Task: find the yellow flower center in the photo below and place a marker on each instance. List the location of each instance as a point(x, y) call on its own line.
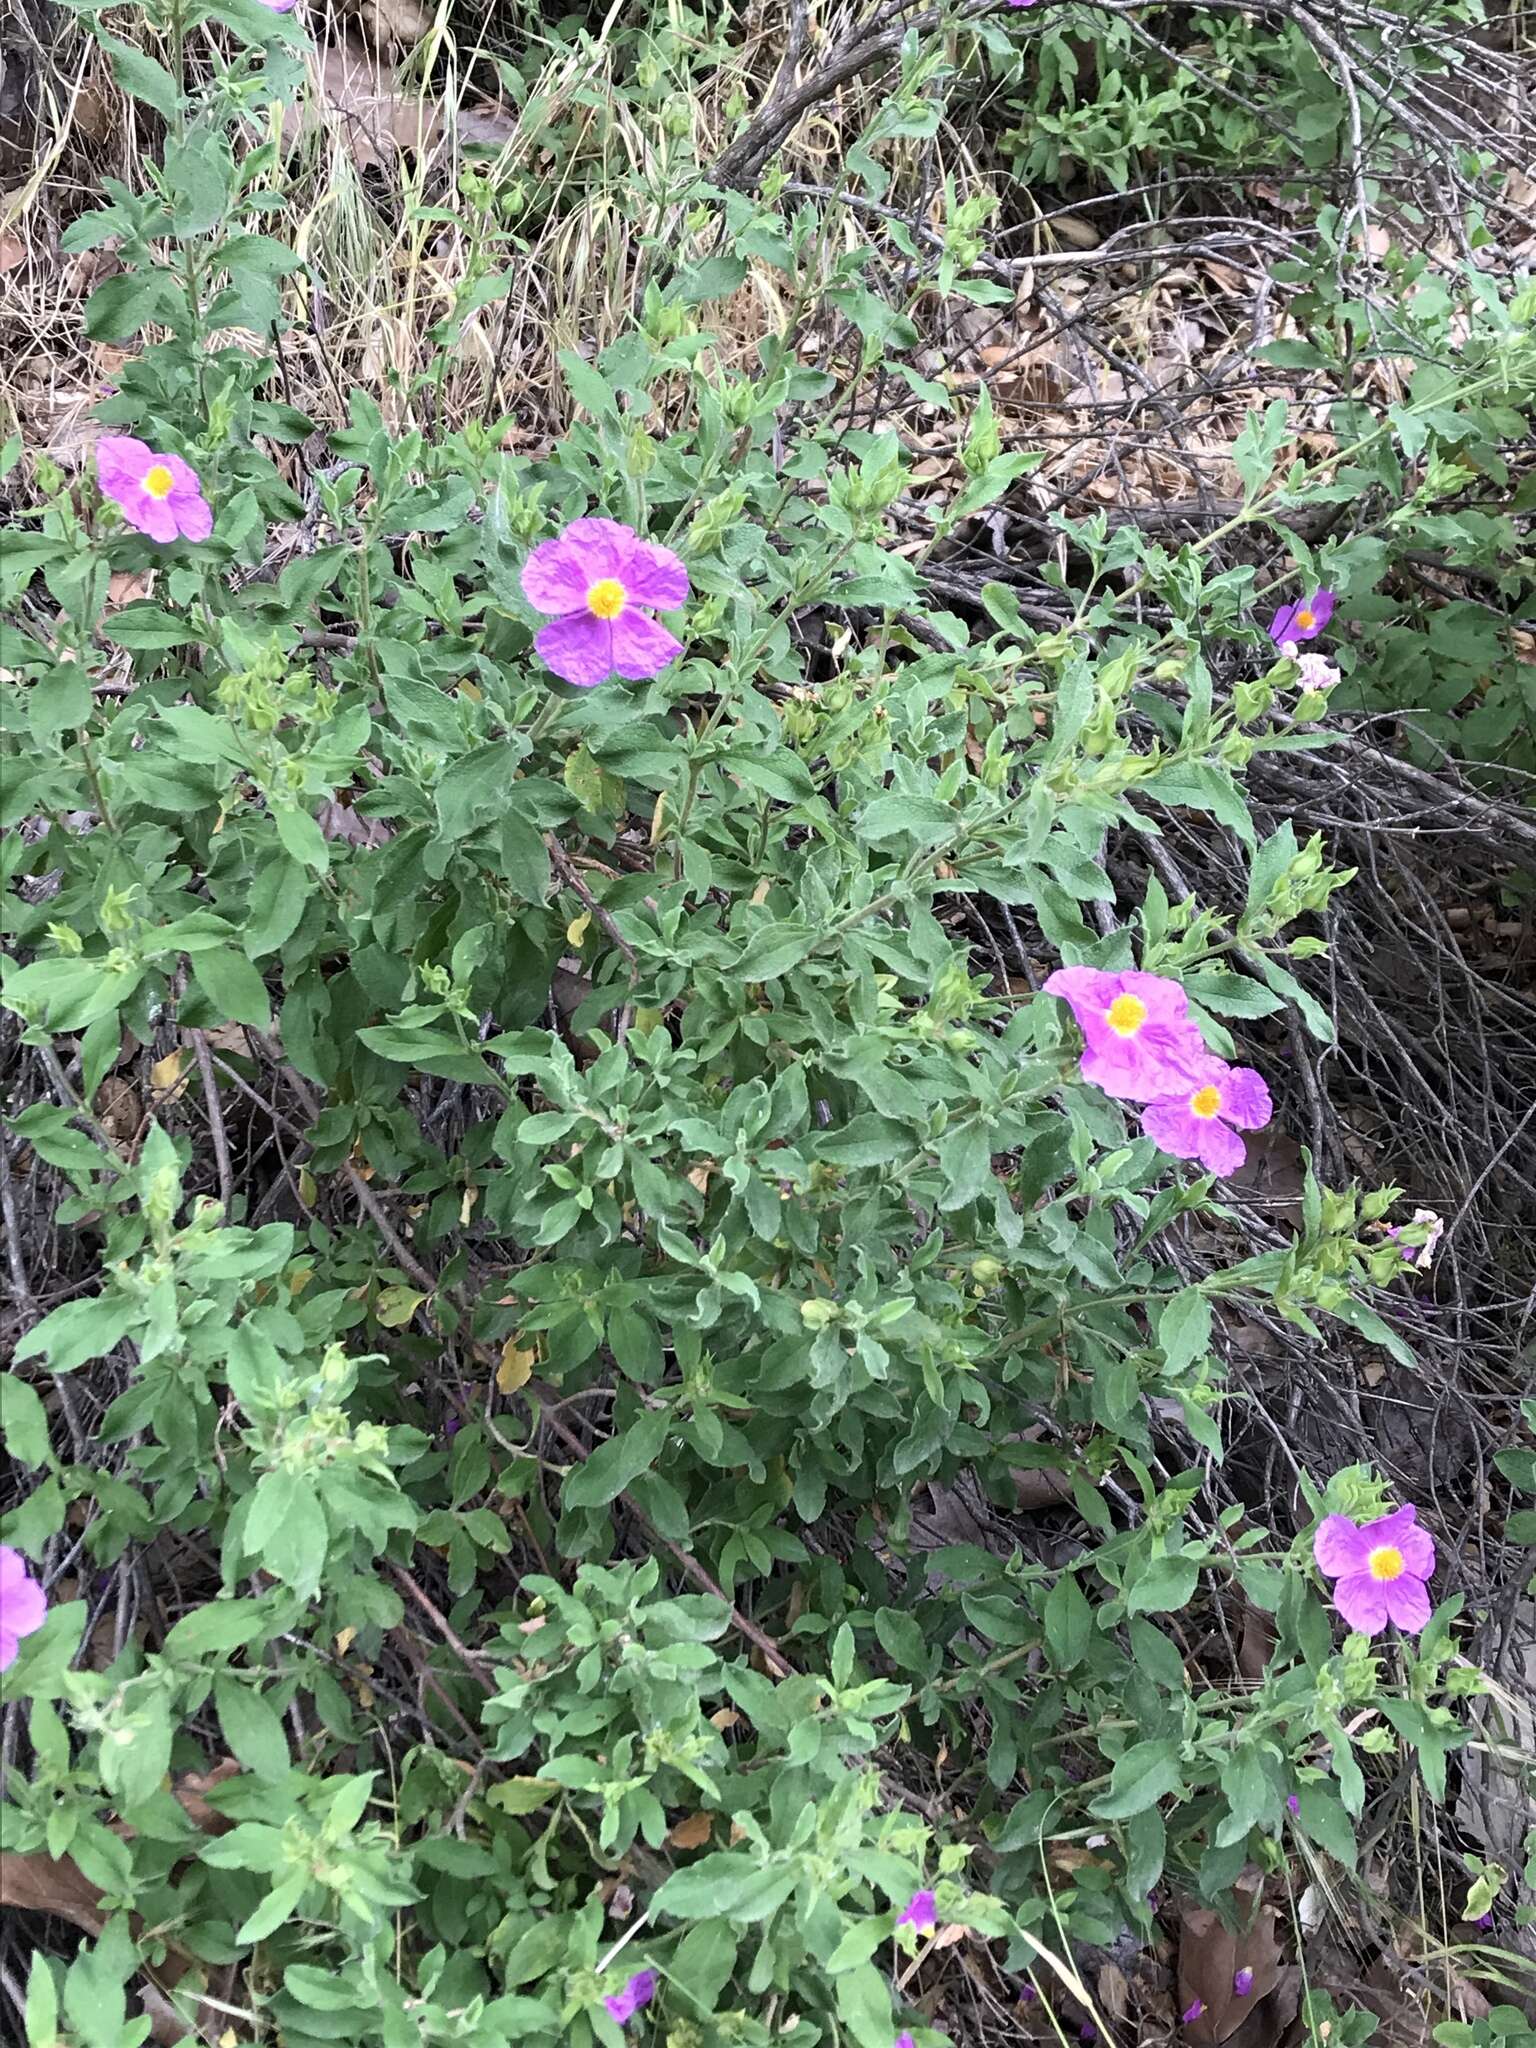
point(158, 481)
point(1385, 1563)
point(605, 600)
point(1306, 620)
point(1205, 1102)
point(1126, 1015)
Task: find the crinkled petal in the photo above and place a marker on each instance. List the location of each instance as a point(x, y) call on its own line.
point(1321, 609)
point(1408, 1603)
point(1401, 1529)
point(1147, 1068)
point(1221, 1149)
point(154, 516)
point(1339, 1547)
point(1174, 1126)
point(8, 1648)
point(640, 647)
point(13, 1568)
point(579, 648)
point(653, 575)
point(558, 574)
point(1083, 989)
point(1166, 1003)
point(189, 508)
point(1245, 1099)
point(1283, 628)
point(1362, 1601)
point(26, 1607)
point(121, 461)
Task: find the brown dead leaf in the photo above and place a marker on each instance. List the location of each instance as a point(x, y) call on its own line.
point(1210, 1957)
point(13, 252)
point(1258, 1640)
point(127, 586)
point(692, 1832)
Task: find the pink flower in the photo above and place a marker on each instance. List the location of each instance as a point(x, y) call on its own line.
point(1242, 1983)
point(278, 6)
point(23, 1604)
point(1140, 1041)
point(905, 2040)
point(1317, 672)
point(1303, 620)
point(638, 1992)
point(158, 494)
point(921, 1912)
point(1198, 1122)
point(594, 578)
point(1381, 1569)
point(1021, 3)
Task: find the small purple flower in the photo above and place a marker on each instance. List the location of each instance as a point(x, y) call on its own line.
point(905, 2040)
point(1381, 1570)
point(1303, 620)
point(1293, 1804)
point(1191, 2013)
point(23, 1604)
point(1242, 1983)
point(639, 1991)
point(1483, 1920)
point(1027, 1994)
point(920, 1912)
point(1087, 2031)
point(452, 1427)
point(594, 578)
point(1021, 3)
point(1139, 1040)
point(1202, 1120)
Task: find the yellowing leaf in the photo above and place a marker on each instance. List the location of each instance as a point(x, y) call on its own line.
point(344, 1640)
point(165, 1075)
point(396, 1305)
point(522, 1795)
point(516, 1367)
point(576, 930)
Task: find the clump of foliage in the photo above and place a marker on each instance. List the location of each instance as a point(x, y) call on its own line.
point(517, 1459)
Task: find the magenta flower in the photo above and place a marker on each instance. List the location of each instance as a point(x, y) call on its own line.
point(1191, 2013)
point(639, 1991)
point(1198, 1123)
point(1293, 1804)
point(905, 2040)
point(1140, 1043)
point(1303, 620)
point(23, 1604)
point(1242, 1983)
point(921, 1912)
point(1021, 3)
point(1380, 1569)
point(158, 494)
point(595, 577)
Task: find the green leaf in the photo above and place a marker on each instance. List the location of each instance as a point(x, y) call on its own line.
point(252, 1728)
point(1184, 1330)
point(1068, 1621)
point(286, 1530)
point(727, 1885)
point(141, 77)
point(775, 948)
point(1165, 1585)
point(1148, 1772)
point(23, 1421)
point(233, 986)
point(614, 1464)
point(275, 1909)
point(68, 1336)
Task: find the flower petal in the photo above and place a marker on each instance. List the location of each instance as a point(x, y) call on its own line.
point(1362, 1601)
point(26, 1608)
point(579, 648)
point(13, 1568)
point(1403, 1532)
point(640, 647)
point(1245, 1099)
point(1321, 609)
point(154, 516)
point(1172, 1124)
point(1282, 627)
point(121, 462)
point(558, 574)
point(1221, 1149)
point(1408, 1603)
point(1083, 989)
point(1340, 1547)
point(8, 1648)
point(653, 575)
